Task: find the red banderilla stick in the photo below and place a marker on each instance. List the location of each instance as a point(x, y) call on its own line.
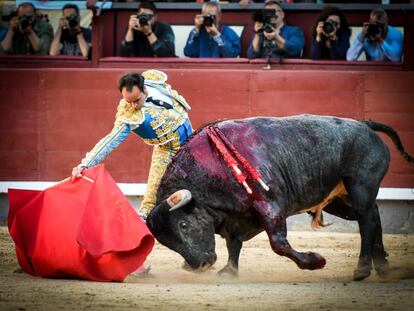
point(231, 162)
point(253, 173)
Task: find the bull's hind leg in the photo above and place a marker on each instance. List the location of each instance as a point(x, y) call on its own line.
point(273, 221)
point(339, 208)
point(379, 254)
point(363, 201)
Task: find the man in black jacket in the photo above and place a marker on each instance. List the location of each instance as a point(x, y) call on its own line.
point(147, 37)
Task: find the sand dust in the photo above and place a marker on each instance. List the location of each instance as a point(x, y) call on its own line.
point(266, 281)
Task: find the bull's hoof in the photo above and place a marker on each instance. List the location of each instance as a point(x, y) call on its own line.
point(312, 261)
point(382, 269)
point(362, 273)
point(229, 270)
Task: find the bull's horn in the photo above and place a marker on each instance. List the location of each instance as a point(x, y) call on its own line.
point(179, 199)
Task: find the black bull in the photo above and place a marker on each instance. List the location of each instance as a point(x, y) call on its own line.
point(309, 162)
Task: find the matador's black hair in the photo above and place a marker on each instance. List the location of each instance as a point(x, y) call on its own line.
point(130, 80)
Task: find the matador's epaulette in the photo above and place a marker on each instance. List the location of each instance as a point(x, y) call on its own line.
point(155, 76)
point(128, 114)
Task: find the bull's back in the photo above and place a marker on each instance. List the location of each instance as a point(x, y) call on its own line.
point(305, 156)
point(302, 158)
point(306, 143)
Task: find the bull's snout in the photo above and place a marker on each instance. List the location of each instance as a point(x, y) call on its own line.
point(212, 257)
point(208, 260)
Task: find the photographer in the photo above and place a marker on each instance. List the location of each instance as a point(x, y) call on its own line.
point(378, 40)
point(209, 38)
point(147, 37)
point(273, 38)
point(330, 35)
point(70, 37)
point(27, 33)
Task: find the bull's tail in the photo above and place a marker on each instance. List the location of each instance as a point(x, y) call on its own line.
point(389, 131)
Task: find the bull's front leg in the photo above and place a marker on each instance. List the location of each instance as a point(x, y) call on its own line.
point(273, 220)
point(234, 246)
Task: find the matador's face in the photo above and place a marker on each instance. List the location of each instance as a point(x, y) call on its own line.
point(135, 97)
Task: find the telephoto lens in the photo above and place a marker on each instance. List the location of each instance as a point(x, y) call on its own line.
point(72, 21)
point(25, 21)
point(144, 19)
point(268, 28)
point(208, 20)
point(328, 27)
point(373, 30)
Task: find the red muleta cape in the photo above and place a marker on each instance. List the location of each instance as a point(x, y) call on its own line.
point(78, 229)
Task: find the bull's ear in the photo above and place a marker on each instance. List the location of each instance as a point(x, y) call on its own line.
point(179, 199)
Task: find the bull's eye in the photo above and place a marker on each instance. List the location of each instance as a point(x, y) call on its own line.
point(183, 226)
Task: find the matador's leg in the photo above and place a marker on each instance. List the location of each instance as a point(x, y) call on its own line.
point(161, 157)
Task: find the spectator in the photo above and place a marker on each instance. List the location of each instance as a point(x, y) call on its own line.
point(379, 41)
point(27, 33)
point(70, 38)
point(330, 35)
point(147, 37)
point(209, 38)
point(273, 38)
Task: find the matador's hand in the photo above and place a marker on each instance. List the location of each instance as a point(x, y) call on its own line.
point(77, 172)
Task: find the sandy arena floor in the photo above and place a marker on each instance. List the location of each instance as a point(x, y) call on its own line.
point(266, 281)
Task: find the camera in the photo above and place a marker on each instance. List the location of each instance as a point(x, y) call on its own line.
point(374, 30)
point(265, 17)
point(144, 19)
point(329, 27)
point(25, 21)
point(72, 21)
point(209, 20)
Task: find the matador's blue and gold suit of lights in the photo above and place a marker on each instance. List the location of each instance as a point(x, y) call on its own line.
point(165, 126)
